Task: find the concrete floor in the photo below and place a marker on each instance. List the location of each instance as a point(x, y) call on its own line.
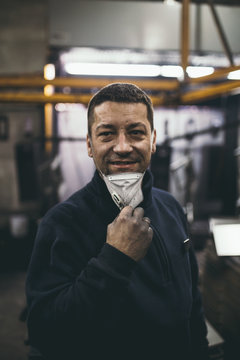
point(13, 332)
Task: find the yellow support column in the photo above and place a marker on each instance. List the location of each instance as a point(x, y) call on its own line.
point(49, 74)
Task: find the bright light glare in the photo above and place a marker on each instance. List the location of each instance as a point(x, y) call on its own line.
point(234, 75)
point(199, 71)
point(112, 69)
point(170, 2)
point(49, 72)
point(48, 90)
point(227, 239)
point(141, 70)
point(171, 71)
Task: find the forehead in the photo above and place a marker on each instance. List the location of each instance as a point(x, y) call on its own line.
point(120, 113)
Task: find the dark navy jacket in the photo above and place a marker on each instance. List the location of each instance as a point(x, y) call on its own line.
point(87, 300)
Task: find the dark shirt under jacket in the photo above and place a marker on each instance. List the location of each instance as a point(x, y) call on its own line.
point(87, 300)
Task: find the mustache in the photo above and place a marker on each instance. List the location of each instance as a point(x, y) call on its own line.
point(133, 157)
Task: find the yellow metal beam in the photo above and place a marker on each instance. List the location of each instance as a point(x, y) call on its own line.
point(216, 75)
point(209, 92)
point(173, 95)
point(85, 83)
point(22, 97)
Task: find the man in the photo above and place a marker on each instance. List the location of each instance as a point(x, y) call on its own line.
point(112, 275)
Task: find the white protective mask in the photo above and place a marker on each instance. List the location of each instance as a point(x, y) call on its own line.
point(125, 188)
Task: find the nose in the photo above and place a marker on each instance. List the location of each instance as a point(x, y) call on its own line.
point(122, 145)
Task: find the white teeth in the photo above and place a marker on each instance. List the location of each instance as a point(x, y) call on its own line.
point(122, 163)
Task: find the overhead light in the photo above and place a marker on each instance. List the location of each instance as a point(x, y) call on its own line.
point(192, 71)
point(48, 90)
point(97, 69)
point(199, 71)
point(139, 70)
point(234, 75)
point(174, 71)
point(170, 2)
point(49, 72)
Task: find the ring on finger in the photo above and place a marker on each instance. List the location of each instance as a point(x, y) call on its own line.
point(147, 220)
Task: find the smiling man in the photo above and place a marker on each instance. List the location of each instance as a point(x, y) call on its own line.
point(112, 274)
point(121, 134)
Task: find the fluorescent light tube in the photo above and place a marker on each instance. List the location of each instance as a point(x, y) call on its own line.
point(234, 75)
point(172, 71)
point(49, 72)
point(140, 70)
point(199, 71)
point(112, 69)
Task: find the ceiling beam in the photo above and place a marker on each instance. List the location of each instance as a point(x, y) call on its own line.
point(217, 74)
point(185, 35)
point(38, 98)
point(84, 83)
point(221, 33)
point(209, 92)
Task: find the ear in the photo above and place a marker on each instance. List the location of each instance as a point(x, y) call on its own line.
point(89, 146)
point(154, 139)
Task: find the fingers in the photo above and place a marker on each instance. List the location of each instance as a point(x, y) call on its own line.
point(150, 233)
point(130, 233)
point(147, 220)
point(126, 211)
point(138, 213)
point(129, 211)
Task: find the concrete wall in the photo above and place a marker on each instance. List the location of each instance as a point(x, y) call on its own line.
point(23, 35)
point(138, 24)
point(23, 50)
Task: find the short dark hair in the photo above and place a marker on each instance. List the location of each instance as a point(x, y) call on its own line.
point(121, 93)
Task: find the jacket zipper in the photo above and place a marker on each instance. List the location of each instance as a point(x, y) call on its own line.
point(163, 254)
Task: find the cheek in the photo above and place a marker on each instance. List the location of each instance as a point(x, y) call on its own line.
point(100, 150)
point(147, 149)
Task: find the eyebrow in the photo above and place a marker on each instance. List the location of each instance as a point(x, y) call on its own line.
point(134, 125)
point(104, 126)
point(129, 127)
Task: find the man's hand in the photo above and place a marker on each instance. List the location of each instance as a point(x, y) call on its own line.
point(130, 233)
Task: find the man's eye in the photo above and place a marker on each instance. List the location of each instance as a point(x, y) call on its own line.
point(106, 133)
point(137, 132)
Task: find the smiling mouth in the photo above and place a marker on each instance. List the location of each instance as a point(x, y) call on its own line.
point(122, 162)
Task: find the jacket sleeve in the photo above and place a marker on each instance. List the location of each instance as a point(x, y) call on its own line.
point(68, 301)
point(197, 321)
point(198, 328)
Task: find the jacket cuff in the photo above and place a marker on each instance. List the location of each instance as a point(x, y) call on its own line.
point(116, 260)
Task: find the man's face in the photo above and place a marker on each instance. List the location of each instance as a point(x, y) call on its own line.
point(121, 139)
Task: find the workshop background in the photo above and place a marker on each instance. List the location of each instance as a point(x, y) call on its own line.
point(54, 55)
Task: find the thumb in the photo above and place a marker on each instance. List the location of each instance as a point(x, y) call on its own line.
point(127, 211)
